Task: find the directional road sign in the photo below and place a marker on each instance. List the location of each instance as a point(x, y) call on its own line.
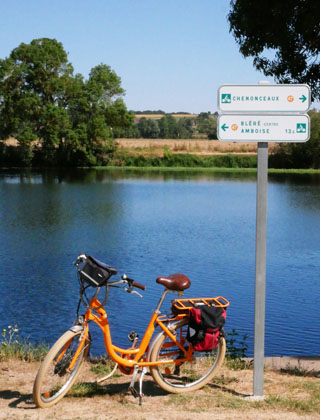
point(264, 128)
point(264, 98)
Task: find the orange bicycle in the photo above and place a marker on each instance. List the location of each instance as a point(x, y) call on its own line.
point(170, 357)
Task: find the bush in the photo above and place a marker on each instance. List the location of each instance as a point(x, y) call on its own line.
point(186, 161)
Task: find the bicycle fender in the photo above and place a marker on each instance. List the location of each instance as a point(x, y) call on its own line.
point(151, 345)
point(157, 337)
point(76, 328)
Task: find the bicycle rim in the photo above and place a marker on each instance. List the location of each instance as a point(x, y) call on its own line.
point(54, 378)
point(189, 375)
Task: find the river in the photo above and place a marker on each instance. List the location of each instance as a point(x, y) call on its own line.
point(152, 223)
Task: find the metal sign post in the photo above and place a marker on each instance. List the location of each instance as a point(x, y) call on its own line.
point(263, 113)
point(260, 284)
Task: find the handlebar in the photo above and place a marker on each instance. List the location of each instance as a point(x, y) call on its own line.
point(139, 286)
point(133, 283)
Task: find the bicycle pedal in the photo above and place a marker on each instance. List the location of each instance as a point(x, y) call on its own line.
point(132, 336)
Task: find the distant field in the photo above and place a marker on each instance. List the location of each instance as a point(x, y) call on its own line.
point(157, 147)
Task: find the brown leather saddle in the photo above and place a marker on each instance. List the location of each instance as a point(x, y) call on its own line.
point(176, 282)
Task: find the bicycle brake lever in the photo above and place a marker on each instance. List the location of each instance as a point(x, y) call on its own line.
point(133, 291)
point(137, 293)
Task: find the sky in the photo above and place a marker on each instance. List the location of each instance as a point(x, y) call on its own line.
point(170, 54)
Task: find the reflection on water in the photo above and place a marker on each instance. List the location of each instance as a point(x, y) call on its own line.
point(117, 174)
point(151, 223)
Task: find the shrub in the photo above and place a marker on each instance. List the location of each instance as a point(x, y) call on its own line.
point(186, 161)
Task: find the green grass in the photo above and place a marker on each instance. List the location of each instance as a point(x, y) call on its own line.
point(299, 371)
point(86, 389)
point(176, 169)
point(238, 363)
point(224, 380)
point(104, 369)
point(24, 351)
point(293, 171)
point(207, 170)
point(13, 346)
point(309, 404)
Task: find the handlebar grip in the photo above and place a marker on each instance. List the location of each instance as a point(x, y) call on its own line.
point(139, 285)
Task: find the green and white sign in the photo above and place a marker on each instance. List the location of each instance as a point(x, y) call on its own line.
point(264, 128)
point(264, 98)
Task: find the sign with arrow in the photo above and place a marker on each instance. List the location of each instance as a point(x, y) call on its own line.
point(264, 128)
point(264, 98)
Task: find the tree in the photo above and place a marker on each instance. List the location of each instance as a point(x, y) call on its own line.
point(60, 117)
point(300, 155)
point(32, 84)
point(207, 124)
point(148, 128)
point(282, 36)
point(186, 127)
point(172, 128)
point(97, 114)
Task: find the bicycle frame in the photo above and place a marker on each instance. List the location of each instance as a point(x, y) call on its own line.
point(137, 356)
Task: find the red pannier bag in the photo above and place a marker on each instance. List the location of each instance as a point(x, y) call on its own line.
point(204, 326)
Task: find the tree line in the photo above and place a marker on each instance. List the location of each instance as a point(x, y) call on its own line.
point(170, 127)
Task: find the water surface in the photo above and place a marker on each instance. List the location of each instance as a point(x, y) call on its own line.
point(148, 224)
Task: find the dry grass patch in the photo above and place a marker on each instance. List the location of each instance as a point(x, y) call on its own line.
point(157, 147)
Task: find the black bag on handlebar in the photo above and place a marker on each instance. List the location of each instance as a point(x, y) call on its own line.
point(95, 273)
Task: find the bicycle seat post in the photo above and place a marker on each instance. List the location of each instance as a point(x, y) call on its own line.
point(164, 294)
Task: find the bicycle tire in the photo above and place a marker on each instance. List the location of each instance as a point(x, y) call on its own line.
point(53, 381)
point(190, 375)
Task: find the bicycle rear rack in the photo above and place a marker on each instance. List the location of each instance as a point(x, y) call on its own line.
point(184, 305)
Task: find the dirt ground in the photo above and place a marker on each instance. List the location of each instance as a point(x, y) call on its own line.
point(227, 397)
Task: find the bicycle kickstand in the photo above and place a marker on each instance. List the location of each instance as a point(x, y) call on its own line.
point(132, 389)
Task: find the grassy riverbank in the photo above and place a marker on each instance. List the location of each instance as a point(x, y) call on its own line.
point(288, 396)
point(291, 391)
point(204, 170)
point(217, 163)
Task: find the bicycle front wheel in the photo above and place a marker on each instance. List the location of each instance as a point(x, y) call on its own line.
point(180, 377)
point(55, 378)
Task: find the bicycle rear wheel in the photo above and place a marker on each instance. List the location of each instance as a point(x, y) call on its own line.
point(181, 377)
point(54, 378)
